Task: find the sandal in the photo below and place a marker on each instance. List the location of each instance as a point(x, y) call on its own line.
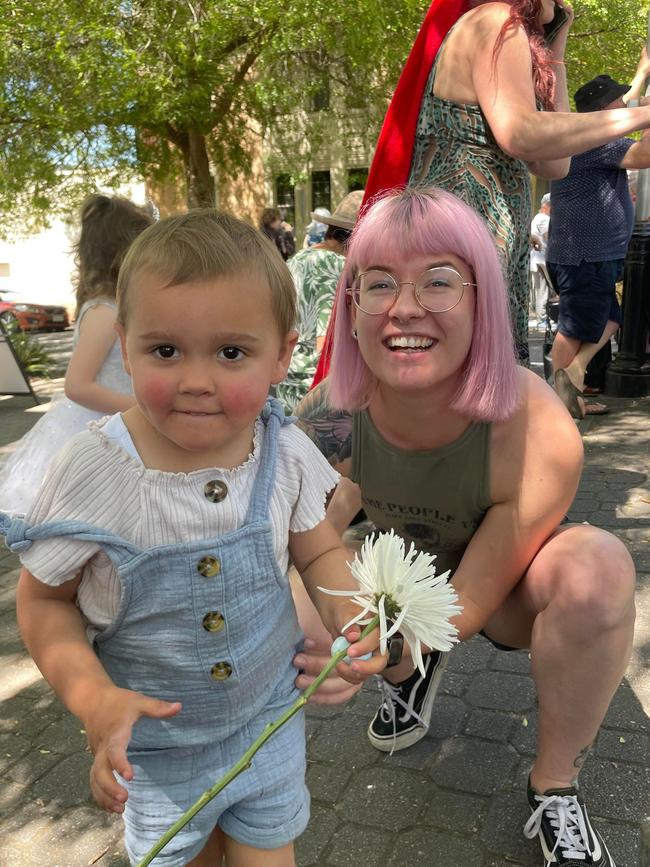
point(569, 393)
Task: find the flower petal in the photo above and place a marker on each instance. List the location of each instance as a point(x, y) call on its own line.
point(382, 626)
point(403, 583)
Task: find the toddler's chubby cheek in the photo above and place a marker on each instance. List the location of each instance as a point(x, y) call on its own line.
point(242, 399)
point(154, 393)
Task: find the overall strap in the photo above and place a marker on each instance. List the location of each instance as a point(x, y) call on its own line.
point(19, 536)
point(274, 418)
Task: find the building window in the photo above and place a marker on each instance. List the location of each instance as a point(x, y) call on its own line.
point(320, 94)
point(320, 190)
point(357, 179)
point(285, 197)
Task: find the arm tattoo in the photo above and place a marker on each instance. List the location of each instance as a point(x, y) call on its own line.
point(329, 429)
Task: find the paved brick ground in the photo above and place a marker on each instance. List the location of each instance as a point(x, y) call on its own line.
point(456, 799)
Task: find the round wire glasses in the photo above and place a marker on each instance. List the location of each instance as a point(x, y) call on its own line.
point(437, 290)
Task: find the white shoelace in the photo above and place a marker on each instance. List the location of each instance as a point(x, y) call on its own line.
point(391, 697)
point(567, 820)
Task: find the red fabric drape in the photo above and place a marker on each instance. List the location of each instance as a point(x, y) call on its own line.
point(392, 159)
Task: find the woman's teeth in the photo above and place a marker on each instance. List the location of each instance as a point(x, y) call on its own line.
point(409, 342)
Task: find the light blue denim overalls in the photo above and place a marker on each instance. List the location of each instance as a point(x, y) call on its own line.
point(211, 624)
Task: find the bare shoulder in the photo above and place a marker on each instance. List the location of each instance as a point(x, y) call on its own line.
point(539, 441)
point(483, 26)
point(487, 19)
point(329, 429)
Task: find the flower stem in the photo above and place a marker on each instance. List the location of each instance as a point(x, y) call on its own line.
point(245, 761)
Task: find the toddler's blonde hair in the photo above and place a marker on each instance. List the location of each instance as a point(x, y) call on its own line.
point(202, 245)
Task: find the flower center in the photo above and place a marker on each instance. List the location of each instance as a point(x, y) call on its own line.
point(391, 607)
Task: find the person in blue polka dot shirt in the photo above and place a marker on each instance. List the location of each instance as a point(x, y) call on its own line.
point(591, 224)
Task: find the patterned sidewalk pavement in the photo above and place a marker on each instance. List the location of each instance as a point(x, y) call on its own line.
point(456, 799)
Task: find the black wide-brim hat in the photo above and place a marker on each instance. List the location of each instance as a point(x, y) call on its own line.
point(598, 93)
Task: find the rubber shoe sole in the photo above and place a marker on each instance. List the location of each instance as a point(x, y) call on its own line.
point(411, 734)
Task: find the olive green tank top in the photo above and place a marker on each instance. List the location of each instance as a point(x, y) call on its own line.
point(436, 498)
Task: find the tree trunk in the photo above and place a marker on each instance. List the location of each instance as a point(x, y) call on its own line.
point(200, 183)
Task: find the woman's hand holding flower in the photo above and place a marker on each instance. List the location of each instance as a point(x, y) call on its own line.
point(359, 667)
point(402, 590)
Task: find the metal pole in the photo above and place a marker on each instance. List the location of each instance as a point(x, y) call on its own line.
point(643, 184)
point(629, 373)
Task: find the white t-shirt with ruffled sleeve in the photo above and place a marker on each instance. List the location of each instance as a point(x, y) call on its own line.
point(99, 478)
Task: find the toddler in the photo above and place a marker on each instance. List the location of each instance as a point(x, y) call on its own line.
point(154, 595)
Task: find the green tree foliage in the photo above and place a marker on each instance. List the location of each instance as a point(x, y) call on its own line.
point(170, 89)
point(606, 38)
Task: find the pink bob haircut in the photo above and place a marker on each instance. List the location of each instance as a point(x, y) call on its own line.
point(431, 221)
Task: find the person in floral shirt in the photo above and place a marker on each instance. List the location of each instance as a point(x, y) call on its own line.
point(315, 272)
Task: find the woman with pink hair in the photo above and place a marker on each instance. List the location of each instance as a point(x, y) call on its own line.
point(445, 439)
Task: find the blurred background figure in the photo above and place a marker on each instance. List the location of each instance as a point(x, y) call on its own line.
point(315, 232)
point(315, 272)
point(591, 226)
point(281, 233)
point(96, 383)
point(538, 241)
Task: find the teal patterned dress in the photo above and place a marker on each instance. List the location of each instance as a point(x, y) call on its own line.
point(455, 149)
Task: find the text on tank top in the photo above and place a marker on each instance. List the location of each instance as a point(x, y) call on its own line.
point(436, 498)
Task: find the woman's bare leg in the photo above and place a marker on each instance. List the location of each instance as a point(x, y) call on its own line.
point(577, 604)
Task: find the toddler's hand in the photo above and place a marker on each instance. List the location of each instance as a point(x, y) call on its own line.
point(108, 728)
point(358, 670)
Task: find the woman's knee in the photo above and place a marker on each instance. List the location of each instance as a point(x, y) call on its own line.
point(595, 578)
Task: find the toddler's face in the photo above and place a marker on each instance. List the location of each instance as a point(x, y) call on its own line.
point(202, 357)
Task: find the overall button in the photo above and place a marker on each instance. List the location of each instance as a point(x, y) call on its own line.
point(213, 621)
point(221, 671)
point(215, 491)
point(208, 567)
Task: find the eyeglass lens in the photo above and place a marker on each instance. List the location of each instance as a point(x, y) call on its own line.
point(437, 290)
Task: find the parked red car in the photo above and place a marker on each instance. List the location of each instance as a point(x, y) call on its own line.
point(33, 317)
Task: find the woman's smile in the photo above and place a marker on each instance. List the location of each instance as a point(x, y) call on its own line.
point(409, 343)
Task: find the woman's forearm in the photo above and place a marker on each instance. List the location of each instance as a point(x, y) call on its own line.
point(638, 84)
point(550, 170)
point(543, 137)
point(561, 100)
point(555, 169)
point(94, 396)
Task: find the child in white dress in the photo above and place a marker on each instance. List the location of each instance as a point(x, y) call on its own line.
point(163, 534)
point(96, 383)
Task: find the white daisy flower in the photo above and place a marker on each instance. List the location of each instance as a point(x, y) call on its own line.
point(402, 587)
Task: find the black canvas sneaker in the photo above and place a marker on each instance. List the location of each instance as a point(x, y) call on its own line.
point(404, 716)
point(568, 839)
